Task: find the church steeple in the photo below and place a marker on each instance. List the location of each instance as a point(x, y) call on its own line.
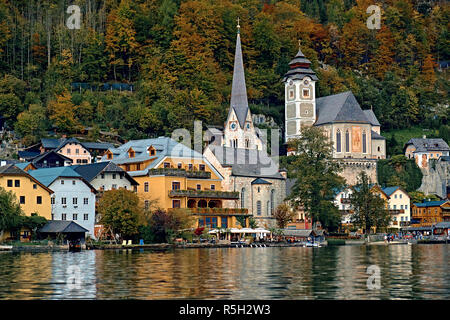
point(239, 100)
point(239, 131)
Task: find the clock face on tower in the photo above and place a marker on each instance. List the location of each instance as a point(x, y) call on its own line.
point(233, 126)
point(248, 126)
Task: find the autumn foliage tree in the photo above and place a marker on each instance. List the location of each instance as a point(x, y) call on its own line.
point(121, 210)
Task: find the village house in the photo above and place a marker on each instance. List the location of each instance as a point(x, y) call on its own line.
point(422, 150)
point(342, 201)
point(79, 152)
point(33, 196)
point(171, 175)
point(428, 213)
point(73, 198)
point(399, 207)
point(47, 159)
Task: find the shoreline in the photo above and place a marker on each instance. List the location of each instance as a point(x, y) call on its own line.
point(168, 246)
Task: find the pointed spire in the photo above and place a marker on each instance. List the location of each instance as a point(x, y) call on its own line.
point(238, 89)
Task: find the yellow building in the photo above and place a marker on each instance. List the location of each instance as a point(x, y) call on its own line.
point(171, 175)
point(34, 197)
point(426, 214)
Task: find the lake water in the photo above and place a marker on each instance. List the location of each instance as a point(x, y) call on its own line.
point(406, 272)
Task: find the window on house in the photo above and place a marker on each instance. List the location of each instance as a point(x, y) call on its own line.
point(63, 216)
point(22, 199)
point(176, 203)
point(146, 187)
point(179, 166)
point(190, 166)
point(35, 186)
point(224, 222)
point(52, 200)
point(85, 200)
point(86, 216)
point(175, 185)
point(138, 166)
point(62, 181)
point(199, 187)
point(135, 188)
point(68, 151)
point(74, 200)
point(146, 204)
point(74, 216)
point(10, 183)
point(53, 216)
point(201, 167)
point(114, 176)
point(306, 93)
point(39, 200)
point(77, 151)
point(127, 167)
point(213, 187)
point(17, 183)
point(114, 186)
point(166, 164)
point(73, 182)
point(243, 198)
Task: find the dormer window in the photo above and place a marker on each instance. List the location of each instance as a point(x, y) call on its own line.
point(131, 153)
point(109, 155)
point(151, 151)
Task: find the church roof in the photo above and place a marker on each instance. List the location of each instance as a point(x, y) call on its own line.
point(376, 136)
point(341, 107)
point(238, 101)
point(371, 117)
point(247, 162)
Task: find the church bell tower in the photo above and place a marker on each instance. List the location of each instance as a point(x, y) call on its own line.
point(300, 95)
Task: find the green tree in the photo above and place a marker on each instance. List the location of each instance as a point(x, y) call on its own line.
point(10, 212)
point(317, 176)
point(418, 196)
point(121, 210)
point(369, 208)
point(31, 124)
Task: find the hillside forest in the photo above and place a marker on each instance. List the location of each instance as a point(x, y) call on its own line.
point(175, 58)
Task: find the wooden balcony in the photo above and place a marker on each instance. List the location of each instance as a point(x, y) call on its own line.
point(220, 211)
point(175, 172)
point(397, 211)
point(204, 194)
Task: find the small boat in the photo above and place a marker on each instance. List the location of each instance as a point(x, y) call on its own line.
point(5, 248)
point(74, 246)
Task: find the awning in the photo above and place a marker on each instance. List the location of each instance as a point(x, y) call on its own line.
point(243, 230)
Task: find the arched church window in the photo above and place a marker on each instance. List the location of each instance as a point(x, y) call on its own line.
point(347, 141)
point(243, 198)
point(338, 141)
point(272, 200)
point(364, 142)
point(258, 208)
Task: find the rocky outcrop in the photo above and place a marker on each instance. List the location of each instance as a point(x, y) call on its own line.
point(436, 178)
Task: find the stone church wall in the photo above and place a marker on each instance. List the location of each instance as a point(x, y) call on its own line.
point(353, 167)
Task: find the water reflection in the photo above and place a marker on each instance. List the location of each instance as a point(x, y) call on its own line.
point(407, 272)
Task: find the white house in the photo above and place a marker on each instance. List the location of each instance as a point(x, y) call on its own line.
point(73, 198)
point(399, 207)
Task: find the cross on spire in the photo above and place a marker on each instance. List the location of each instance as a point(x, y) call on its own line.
point(238, 26)
point(299, 43)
